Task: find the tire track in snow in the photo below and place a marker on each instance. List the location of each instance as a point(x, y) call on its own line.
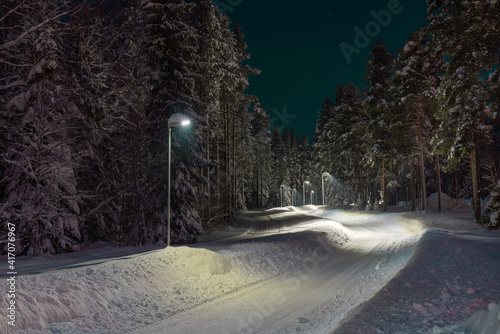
point(312, 301)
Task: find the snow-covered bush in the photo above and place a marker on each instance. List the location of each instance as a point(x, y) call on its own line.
point(491, 213)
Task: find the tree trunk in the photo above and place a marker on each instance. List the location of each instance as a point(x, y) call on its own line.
point(413, 192)
point(217, 171)
point(438, 174)
point(234, 165)
point(421, 161)
point(258, 180)
point(227, 190)
point(475, 180)
point(396, 189)
point(209, 202)
point(384, 187)
point(360, 179)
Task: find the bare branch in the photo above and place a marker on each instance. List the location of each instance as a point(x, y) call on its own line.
point(32, 29)
point(14, 84)
point(12, 11)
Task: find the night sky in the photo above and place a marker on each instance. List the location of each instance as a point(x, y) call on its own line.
point(296, 46)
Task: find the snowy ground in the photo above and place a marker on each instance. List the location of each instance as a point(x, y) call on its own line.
point(277, 271)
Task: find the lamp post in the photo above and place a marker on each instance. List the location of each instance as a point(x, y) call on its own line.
point(281, 194)
point(174, 121)
point(304, 191)
point(312, 194)
point(323, 191)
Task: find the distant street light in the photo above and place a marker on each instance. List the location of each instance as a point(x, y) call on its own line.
point(323, 190)
point(304, 191)
point(312, 194)
point(176, 120)
point(281, 194)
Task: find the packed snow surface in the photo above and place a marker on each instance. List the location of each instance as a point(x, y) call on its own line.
point(275, 271)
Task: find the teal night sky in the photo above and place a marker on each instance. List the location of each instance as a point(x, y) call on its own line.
point(296, 45)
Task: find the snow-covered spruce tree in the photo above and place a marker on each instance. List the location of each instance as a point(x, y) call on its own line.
point(461, 34)
point(305, 167)
point(209, 91)
point(221, 85)
point(123, 203)
point(280, 167)
point(346, 132)
point(41, 120)
point(172, 46)
point(230, 97)
point(90, 54)
point(287, 170)
point(244, 158)
point(491, 215)
point(320, 145)
point(241, 131)
point(415, 81)
point(376, 105)
point(229, 75)
point(261, 150)
point(292, 151)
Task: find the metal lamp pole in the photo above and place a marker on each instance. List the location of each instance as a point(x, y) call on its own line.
point(304, 192)
point(281, 194)
point(174, 121)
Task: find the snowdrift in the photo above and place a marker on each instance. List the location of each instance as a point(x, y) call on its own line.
point(118, 295)
point(452, 276)
point(126, 294)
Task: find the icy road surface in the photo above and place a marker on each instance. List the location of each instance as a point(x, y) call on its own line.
point(283, 270)
point(338, 267)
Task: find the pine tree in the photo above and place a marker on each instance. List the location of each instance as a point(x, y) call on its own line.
point(221, 87)
point(351, 126)
point(320, 141)
point(415, 82)
point(261, 149)
point(209, 88)
point(376, 106)
point(41, 118)
point(172, 45)
point(491, 215)
point(280, 167)
point(126, 126)
point(460, 34)
point(294, 163)
point(91, 53)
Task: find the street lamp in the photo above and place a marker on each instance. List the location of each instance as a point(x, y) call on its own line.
point(174, 121)
point(312, 194)
point(304, 191)
point(281, 194)
point(323, 190)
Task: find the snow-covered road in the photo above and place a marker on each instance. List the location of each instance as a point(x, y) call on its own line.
point(282, 270)
point(313, 295)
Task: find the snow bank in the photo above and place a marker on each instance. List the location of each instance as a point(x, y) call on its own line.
point(453, 276)
point(482, 322)
point(122, 294)
point(485, 321)
point(447, 202)
point(130, 293)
